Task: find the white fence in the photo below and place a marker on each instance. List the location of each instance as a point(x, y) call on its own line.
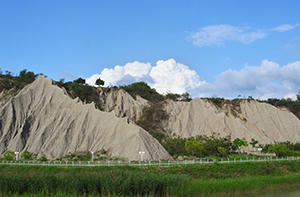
point(146, 163)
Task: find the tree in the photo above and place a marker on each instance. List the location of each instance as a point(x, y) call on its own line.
point(194, 147)
point(27, 77)
point(9, 155)
point(280, 150)
point(79, 81)
point(43, 158)
point(240, 142)
point(99, 82)
point(222, 151)
point(186, 97)
point(26, 155)
point(253, 142)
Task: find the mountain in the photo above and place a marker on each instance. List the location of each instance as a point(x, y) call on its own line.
point(43, 119)
point(243, 118)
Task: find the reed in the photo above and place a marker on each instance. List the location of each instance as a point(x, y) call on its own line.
point(185, 180)
point(117, 182)
point(232, 186)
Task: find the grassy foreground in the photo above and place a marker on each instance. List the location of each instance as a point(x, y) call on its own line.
point(184, 180)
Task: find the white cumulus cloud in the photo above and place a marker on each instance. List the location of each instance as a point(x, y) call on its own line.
point(165, 76)
point(174, 77)
point(269, 80)
point(119, 75)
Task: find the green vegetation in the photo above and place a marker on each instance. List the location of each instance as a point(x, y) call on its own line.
point(78, 88)
point(184, 180)
point(282, 150)
point(194, 147)
point(86, 181)
point(291, 105)
point(26, 155)
point(143, 90)
point(9, 155)
point(9, 83)
point(212, 145)
point(152, 120)
point(178, 97)
point(99, 82)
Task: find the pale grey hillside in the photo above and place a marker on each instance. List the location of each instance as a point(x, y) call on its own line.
point(245, 119)
point(43, 119)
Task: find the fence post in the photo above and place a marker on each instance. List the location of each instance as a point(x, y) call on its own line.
point(169, 162)
point(159, 162)
point(200, 161)
point(221, 160)
point(150, 163)
point(185, 161)
point(108, 163)
point(234, 160)
point(139, 163)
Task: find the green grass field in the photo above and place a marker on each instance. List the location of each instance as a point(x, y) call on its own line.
point(183, 180)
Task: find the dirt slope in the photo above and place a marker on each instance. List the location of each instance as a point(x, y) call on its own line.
point(42, 118)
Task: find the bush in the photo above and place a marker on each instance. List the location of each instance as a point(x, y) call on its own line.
point(281, 150)
point(26, 155)
point(9, 155)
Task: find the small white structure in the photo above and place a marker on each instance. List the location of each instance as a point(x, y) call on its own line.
point(17, 155)
point(92, 155)
point(259, 150)
point(142, 154)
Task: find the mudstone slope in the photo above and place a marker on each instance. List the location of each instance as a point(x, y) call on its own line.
point(43, 119)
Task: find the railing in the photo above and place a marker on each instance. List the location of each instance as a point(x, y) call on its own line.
point(147, 163)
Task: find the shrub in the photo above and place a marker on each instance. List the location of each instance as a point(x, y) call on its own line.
point(26, 155)
point(9, 155)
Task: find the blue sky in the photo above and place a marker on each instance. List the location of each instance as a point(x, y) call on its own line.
point(208, 48)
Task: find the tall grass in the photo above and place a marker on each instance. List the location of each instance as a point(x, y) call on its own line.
point(188, 180)
point(232, 186)
point(117, 183)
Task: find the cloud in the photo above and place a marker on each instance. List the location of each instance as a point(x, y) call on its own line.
point(285, 27)
point(174, 77)
point(165, 76)
point(268, 80)
point(130, 73)
point(67, 76)
point(219, 34)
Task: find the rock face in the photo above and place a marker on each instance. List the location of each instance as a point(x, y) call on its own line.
point(250, 119)
point(122, 104)
point(42, 118)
